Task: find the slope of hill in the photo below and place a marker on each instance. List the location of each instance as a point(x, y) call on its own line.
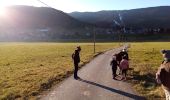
point(38, 23)
point(38, 17)
point(152, 17)
point(27, 23)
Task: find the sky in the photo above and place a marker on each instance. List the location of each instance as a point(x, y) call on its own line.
point(88, 5)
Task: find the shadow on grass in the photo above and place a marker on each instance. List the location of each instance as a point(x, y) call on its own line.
point(147, 85)
point(132, 96)
point(147, 79)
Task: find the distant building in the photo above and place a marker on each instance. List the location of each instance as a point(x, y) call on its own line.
point(43, 30)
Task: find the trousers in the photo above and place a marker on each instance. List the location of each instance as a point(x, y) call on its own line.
point(75, 69)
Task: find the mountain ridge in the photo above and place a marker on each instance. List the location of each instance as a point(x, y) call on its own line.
point(151, 17)
point(27, 23)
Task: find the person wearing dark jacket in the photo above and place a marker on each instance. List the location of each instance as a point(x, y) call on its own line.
point(121, 54)
point(163, 73)
point(124, 53)
point(76, 59)
point(114, 64)
point(119, 57)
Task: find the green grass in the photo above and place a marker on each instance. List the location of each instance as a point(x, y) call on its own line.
point(27, 69)
point(145, 60)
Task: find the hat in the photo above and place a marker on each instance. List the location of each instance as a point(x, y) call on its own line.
point(163, 51)
point(166, 53)
point(114, 57)
point(124, 50)
point(78, 48)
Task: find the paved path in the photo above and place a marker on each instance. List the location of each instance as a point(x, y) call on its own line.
point(96, 83)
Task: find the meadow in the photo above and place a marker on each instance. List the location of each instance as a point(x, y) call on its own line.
point(145, 58)
point(27, 69)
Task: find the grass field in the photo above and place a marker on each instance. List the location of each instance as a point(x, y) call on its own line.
point(145, 60)
point(26, 69)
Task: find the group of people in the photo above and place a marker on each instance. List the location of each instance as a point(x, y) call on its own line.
point(120, 61)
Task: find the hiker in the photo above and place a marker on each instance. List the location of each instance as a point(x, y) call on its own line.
point(163, 73)
point(76, 58)
point(121, 54)
point(124, 53)
point(166, 55)
point(114, 64)
point(124, 65)
point(119, 57)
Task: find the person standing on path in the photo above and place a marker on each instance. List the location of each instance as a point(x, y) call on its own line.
point(119, 56)
point(76, 59)
point(163, 73)
point(114, 64)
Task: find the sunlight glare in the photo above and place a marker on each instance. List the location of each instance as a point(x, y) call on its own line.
point(2, 12)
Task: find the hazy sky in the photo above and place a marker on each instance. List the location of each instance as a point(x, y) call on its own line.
point(89, 5)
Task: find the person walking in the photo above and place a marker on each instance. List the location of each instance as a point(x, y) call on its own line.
point(124, 65)
point(119, 57)
point(114, 64)
point(76, 59)
point(163, 73)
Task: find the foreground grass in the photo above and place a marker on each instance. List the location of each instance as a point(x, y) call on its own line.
point(26, 69)
point(145, 60)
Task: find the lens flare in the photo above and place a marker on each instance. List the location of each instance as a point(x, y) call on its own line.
point(2, 12)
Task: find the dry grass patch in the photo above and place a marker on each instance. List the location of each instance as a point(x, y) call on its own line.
point(145, 60)
point(26, 69)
